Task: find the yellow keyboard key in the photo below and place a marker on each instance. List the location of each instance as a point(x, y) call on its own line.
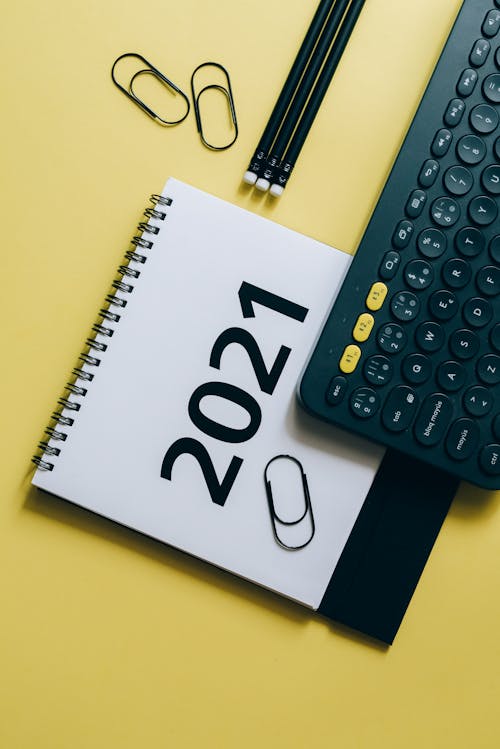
point(350, 358)
point(363, 327)
point(376, 296)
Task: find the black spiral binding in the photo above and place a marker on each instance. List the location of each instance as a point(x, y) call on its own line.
point(102, 333)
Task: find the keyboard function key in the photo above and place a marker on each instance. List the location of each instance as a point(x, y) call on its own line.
point(416, 368)
point(391, 338)
point(483, 210)
point(415, 203)
point(433, 419)
point(445, 211)
point(402, 234)
point(454, 112)
point(484, 119)
point(405, 306)
point(451, 376)
point(488, 369)
point(456, 273)
point(477, 312)
point(489, 460)
point(491, 23)
point(418, 274)
point(364, 402)
point(441, 143)
point(464, 344)
point(428, 173)
point(431, 243)
point(467, 82)
point(490, 179)
point(363, 327)
point(443, 305)
point(378, 370)
point(470, 242)
point(462, 439)
point(336, 390)
point(491, 88)
point(429, 337)
point(350, 358)
point(488, 280)
point(479, 52)
point(478, 401)
point(376, 296)
point(458, 180)
point(389, 265)
point(399, 409)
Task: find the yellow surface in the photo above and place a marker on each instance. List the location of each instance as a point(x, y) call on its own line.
point(106, 638)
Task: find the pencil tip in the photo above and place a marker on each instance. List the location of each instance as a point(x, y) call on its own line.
point(249, 178)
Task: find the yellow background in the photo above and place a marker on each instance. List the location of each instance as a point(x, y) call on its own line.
point(108, 639)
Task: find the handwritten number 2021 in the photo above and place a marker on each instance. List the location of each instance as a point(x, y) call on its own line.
point(267, 379)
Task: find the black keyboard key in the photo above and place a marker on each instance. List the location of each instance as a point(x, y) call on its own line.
point(415, 203)
point(488, 280)
point(496, 427)
point(416, 368)
point(491, 23)
point(491, 88)
point(490, 179)
point(458, 180)
point(471, 149)
point(496, 147)
point(483, 210)
point(418, 274)
point(495, 249)
point(399, 409)
point(478, 401)
point(454, 112)
point(484, 119)
point(477, 312)
point(464, 344)
point(336, 390)
point(467, 82)
point(431, 243)
point(364, 402)
point(402, 234)
point(433, 419)
point(445, 211)
point(391, 338)
point(389, 265)
point(405, 306)
point(378, 370)
point(479, 52)
point(451, 376)
point(428, 173)
point(443, 305)
point(429, 337)
point(470, 242)
point(495, 337)
point(489, 460)
point(456, 273)
point(462, 439)
point(488, 369)
point(441, 143)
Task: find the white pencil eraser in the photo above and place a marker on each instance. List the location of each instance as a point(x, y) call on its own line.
point(276, 190)
point(249, 178)
point(262, 184)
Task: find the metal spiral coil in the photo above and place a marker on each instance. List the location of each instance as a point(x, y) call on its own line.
point(119, 286)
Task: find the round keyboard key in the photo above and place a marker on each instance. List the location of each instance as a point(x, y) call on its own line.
point(483, 210)
point(478, 401)
point(416, 368)
point(402, 234)
point(489, 460)
point(428, 173)
point(336, 390)
point(496, 147)
point(433, 419)
point(458, 180)
point(483, 119)
point(491, 88)
point(477, 312)
point(364, 402)
point(462, 439)
point(429, 337)
point(391, 338)
point(496, 427)
point(431, 243)
point(488, 280)
point(495, 337)
point(464, 344)
point(378, 370)
point(399, 409)
point(418, 274)
point(488, 369)
point(471, 149)
point(456, 273)
point(495, 249)
point(443, 305)
point(470, 242)
point(405, 306)
point(389, 265)
point(445, 211)
point(451, 376)
point(490, 179)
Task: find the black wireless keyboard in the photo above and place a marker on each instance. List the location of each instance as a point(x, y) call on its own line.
point(410, 353)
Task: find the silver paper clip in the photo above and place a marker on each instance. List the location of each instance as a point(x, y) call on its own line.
point(277, 519)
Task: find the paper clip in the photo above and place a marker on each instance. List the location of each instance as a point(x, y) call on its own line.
point(275, 518)
point(228, 93)
point(149, 70)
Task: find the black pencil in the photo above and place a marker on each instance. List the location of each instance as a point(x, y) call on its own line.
point(285, 97)
point(302, 93)
point(307, 118)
